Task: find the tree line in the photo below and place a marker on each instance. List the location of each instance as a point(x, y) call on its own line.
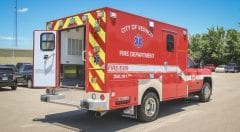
point(217, 46)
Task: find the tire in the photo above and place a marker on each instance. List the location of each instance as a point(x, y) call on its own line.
point(29, 83)
point(149, 108)
point(206, 92)
point(14, 87)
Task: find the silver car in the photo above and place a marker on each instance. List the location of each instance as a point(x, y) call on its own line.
point(221, 68)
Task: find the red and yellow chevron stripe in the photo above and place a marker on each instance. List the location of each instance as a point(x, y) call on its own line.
point(97, 40)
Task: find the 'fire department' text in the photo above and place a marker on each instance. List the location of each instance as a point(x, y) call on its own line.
point(136, 54)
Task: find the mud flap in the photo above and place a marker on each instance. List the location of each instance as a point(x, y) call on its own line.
point(130, 112)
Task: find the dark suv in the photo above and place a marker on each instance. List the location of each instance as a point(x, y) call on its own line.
point(7, 77)
point(24, 75)
point(232, 67)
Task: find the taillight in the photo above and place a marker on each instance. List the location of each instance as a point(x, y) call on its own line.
point(102, 97)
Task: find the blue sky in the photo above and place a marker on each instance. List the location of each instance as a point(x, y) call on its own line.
point(195, 15)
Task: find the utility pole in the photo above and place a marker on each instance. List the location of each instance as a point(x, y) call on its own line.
point(16, 23)
point(16, 31)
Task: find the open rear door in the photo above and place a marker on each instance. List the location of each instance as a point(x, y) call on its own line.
point(44, 63)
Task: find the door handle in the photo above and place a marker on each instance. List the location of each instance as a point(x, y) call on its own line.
point(45, 57)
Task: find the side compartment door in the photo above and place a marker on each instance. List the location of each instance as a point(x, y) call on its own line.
point(44, 59)
point(170, 77)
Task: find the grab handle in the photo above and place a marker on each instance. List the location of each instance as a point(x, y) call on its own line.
point(83, 55)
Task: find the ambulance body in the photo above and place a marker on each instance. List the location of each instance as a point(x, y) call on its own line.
point(123, 61)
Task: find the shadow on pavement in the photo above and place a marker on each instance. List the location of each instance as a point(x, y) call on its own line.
point(175, 106)
point(5, 89)
point(80, 120)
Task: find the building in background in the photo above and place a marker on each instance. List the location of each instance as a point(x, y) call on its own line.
point(20, 55)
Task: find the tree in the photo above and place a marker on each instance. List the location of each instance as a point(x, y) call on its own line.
point(233, 45)
point(217, 46)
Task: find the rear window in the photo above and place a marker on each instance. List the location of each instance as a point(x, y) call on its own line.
point(47, 42)
point(25, 68)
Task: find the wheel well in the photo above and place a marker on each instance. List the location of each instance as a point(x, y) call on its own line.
point(151, 89)
point(209, 80)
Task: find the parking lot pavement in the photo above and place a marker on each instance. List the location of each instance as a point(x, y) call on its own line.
point(21, 110)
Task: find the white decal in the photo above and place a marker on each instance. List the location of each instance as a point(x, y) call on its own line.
point(118, 68)
point(120, 76)
point(134, 54)
point(132, 27)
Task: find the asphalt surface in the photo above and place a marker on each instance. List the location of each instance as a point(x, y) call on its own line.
point(21, 110)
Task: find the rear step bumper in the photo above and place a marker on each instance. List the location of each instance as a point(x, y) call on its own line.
point(59, 99)
point(94, 105)
point(88, 102)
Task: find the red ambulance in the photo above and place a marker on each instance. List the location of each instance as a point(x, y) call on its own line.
point(123, 61)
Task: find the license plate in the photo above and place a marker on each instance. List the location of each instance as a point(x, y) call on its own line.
point(4, 78)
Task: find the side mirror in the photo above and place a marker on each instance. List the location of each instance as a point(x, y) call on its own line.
point(201, 64)
point(196, 65)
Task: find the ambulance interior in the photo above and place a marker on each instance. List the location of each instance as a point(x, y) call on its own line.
point(72, 57)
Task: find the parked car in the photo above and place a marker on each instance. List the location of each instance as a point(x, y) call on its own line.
point(19, 64)
point(210, 67)
point(24, 75)
point(221, 68)
point(232, 67)
point(7, 77)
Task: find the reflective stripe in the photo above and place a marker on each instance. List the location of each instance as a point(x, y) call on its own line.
point(78, 20)
point(65, 25)
point(97, 68)
point(92, 22)
point(94, 85)
point(94, 43)
point(57, 25)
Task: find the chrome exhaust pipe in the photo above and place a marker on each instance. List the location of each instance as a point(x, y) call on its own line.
point(100, 114)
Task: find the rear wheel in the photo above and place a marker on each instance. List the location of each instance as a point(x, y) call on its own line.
point(149, 109)
point(206, 92)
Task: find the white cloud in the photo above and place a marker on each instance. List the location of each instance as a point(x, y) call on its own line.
point(22, 10)
point(6, 38)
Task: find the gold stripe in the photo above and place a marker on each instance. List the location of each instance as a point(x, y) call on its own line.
point(94, 43)
point(95, 86)
point(65, 25)
point(78, 20)
point(99, 71)
point(57, 25)
point(92, 22)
